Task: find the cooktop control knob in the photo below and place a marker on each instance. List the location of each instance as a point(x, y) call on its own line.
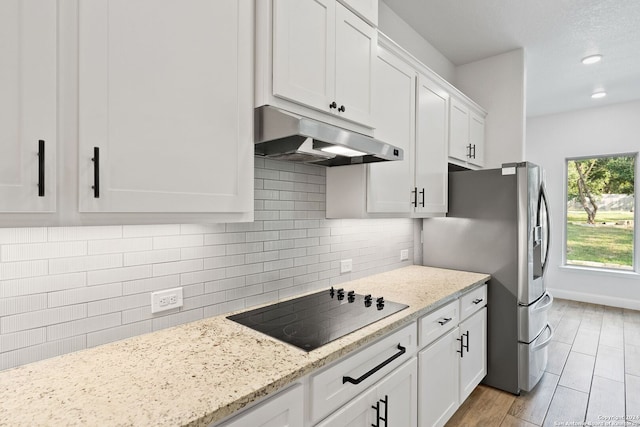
point(380, 303)
point(367, 300)
point(332, 292)
point(351, 296)
point(340, 294)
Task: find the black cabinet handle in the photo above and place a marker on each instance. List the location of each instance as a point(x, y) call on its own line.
point(444, 321)
point(461, 347)
point(422, 192)
point(377, 408)
point(96, 172)
point(386, 410)
point(41, 168)
point(473, 155)
point(333, 105)
point(342, 109)
point(415, 197)
point(469, 151)
point(402, 351)
point(466, 334)
point(478, 300)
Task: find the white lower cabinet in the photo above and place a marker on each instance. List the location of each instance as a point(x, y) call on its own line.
point(453, 364)
point(391, 402)
point(285, 409)
point(439, 373)
point(473, 363)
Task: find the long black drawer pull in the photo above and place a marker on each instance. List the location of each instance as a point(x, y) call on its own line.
point(444, 321)
point(377, 408)
point(478, 300)
point(415, 197)
point(422, 192)
point(461, 351)
point(402, 351)
point(386, 410)
point(96, 172)
point(467, 345)
point(41, 168)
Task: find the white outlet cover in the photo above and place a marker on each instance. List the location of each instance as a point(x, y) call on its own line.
point(404, 254)
point(346, 265)
point(167, 295)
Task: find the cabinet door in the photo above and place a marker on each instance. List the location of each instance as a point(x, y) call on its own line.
point(367, 9)
point(398, 396)
point(431, 148)
point(356, 44)
point(476, 139)
point(458, 130)
point(438, 381)
point(282, 410)
point(304, 51)
point(473, 363)
point(28, 105)
point(393, 398)
point(390, 183)
point(166, 95)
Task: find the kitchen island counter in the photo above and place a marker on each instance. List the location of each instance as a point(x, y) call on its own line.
point(200, 372)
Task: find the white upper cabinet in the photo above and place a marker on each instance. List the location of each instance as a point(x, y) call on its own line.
point(28, 78)
point(389, 183)
point(431, 178)
point(466, 143)
point(165, 106)
point(323, 56)
point(304, 51)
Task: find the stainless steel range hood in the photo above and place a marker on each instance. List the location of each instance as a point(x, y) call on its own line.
point(286, 136)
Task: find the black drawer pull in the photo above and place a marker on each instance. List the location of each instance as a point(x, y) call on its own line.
point(415, 197)
point(41, 168)
point(478, 300)
point(96, 172)
point(467, 345)
point(377, 408)
point(402, 351)
point(422, 192)
point(444, 321)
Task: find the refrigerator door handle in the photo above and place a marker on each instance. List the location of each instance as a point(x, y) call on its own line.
point(543, 204)
point(544, 303)
point(545, 342)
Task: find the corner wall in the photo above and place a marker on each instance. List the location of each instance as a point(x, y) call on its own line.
point(498, 84)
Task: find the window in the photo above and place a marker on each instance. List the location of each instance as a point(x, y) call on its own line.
point(600, 211)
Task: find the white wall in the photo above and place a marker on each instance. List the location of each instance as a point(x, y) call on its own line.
point(498, 85)
point(550, 141)
point(403, 34)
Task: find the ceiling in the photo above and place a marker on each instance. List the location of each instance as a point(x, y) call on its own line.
point(555, 35)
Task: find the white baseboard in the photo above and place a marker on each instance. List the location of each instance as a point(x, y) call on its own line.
point(596, 299)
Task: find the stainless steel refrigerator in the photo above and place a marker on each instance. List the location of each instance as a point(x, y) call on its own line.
point(498, 223)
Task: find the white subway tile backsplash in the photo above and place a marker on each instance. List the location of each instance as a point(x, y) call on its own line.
point(15, 305)
point(113, 275)
point(35, 285)
point(22, 235)
point(80, 287)
point(57, 234)
point(80, 295)
point(31, 251)
point(83, 326)
point(39, 318)
point(112, 246)
point(152, 257)
point(22, 339)
point(118, 333)
point(85, 263)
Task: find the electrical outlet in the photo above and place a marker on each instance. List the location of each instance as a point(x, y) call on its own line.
point(346, 265)
point(166, 300)
point(404, 254)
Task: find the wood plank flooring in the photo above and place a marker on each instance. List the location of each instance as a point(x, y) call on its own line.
point(592, 377)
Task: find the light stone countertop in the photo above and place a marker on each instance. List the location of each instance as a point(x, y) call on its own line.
point(196, 373)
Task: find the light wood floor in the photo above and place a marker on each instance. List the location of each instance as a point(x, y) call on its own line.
point(592, 378)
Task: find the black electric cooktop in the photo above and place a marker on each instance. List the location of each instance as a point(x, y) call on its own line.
point(314, 320)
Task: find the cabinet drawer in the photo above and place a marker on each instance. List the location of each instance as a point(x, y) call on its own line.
point(435, 324)
point(473, 301)
point(329, 390)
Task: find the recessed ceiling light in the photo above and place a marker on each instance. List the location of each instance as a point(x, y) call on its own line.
point(599, 94)
point(592, 59)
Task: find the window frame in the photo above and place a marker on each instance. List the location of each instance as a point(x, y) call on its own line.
point(635, 268)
